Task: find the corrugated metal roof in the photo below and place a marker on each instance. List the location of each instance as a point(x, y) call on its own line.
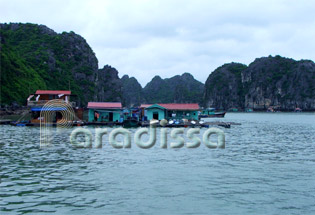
point(176, 106)
point(53, 92)
point(104, 105)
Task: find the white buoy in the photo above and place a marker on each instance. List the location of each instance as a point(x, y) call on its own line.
point(163, 122)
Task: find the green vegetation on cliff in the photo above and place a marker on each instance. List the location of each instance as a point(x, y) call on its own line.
point(35, 57)
point(20, 81)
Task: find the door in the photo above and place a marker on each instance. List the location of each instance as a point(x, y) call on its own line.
point(111, 116)
point(155, 115)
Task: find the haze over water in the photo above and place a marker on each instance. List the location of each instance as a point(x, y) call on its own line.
point(267, 167)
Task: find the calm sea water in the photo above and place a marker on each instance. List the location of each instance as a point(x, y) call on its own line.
point(267, 167)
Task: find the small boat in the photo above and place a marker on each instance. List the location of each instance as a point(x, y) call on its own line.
point(233, 110)
point(130, 123)
point(270, 110)
point(248, 110)
point(210, 113)
point(298, 110)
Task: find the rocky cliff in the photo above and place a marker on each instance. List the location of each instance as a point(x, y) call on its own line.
point(277, 82)
point(223, 88)
point(178, 89)
point(132, 91)
point(35, 57)
point(108, 86)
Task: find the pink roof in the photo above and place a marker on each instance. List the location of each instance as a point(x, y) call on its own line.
point(53, 92)
point(174, 106)
point(145, 105)
point(104, 105)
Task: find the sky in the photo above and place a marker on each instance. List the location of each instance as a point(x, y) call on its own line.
point(144, 38)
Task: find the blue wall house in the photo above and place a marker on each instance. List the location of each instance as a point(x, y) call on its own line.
point(105, 112)
point(172, 111)
point(155, 112)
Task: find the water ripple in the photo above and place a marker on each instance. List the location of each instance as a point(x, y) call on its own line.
point(268, 166)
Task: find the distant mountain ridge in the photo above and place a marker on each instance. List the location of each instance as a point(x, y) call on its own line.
point(178, 89)
point(132, 91)
point(35, 57)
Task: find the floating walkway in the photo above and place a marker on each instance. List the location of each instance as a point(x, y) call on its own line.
point(168, 124)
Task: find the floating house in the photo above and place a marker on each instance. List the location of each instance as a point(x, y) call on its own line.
point(172, 111)
point(41, 97)
point(105, 112)
point(132, 113)
point(143, 112)
point(155, 111)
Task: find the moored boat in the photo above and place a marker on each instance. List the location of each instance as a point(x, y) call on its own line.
point(210, 113)
point(130, 123)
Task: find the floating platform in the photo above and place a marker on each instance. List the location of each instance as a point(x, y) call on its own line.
point(5, 121)
point(14, 123)
point(110, 124)
point(191, 124)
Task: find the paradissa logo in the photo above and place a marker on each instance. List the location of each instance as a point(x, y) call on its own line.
point(176, 134)
point(48, 113)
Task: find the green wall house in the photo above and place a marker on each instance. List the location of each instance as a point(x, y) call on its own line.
point(155, 112)
point(105, 112)
point(172, 111)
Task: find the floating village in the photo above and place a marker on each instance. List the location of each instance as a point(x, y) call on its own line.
point(112, 113)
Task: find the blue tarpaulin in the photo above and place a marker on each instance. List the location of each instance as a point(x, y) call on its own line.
point(48, 109)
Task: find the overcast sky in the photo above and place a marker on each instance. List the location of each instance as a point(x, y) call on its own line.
point(144, 38)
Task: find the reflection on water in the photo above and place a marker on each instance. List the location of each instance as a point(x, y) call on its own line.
point(268, 166)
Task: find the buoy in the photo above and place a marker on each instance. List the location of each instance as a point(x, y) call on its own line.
point(163, 122)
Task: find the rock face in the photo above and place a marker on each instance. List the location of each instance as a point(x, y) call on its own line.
point(132, 91)
point(108, 85)
point(178, 89)
point(277, 82)
point(223, 88)
point(35, 57)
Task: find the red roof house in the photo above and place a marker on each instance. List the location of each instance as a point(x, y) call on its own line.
point(104, 105)
point(53, 92)
point(176, 106)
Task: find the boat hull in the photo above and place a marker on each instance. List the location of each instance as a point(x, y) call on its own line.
point(130, 123)
point(214, 115)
